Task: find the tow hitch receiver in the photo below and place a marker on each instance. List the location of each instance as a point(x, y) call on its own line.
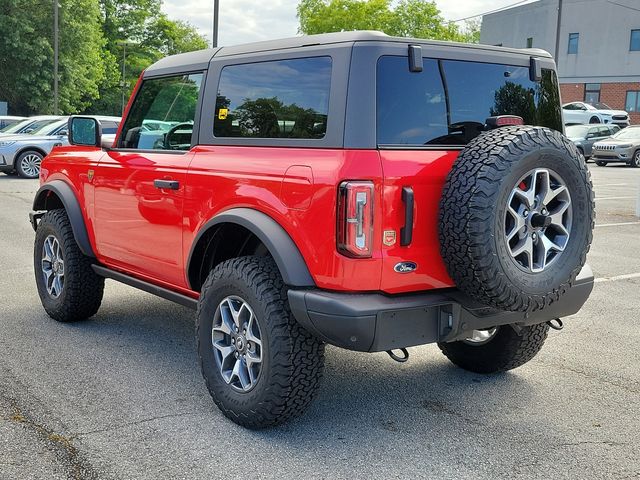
point(397, 358)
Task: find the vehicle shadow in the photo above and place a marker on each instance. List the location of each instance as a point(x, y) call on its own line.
point(359, 390)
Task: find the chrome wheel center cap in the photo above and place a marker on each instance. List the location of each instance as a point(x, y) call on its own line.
point(241, 344)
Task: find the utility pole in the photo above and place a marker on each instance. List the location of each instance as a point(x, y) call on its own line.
point(55, 57)
point(216, 11)
point(124, 82)
point(558, 31)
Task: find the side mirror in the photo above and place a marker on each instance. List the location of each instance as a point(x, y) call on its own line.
point(85, 131)
point(63, 133)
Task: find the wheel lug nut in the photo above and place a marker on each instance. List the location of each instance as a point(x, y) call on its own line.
point(533, 236)
point(525, 213)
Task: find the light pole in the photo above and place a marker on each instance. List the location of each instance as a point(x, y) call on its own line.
point(216, 11)
point(55, 57)
point(124, 63)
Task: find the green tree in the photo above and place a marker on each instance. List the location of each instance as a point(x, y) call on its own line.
point(409, 18)
point(148, 34)
point(26, 55)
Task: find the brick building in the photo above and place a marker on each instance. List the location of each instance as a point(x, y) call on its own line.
point(597, 46)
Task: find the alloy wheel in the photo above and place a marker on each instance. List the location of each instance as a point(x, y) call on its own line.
point(480, 337)
point(538, 220)
point(237, 343)
point(52, 266)
point(30, 164)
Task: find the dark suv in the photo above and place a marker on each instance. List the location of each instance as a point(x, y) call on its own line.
point(370, 192)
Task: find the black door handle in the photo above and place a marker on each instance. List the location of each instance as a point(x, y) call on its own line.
point(167, 184)
point(406, 232)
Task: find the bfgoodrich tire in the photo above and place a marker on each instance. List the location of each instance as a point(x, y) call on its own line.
point(516, 218)
point(67, 285)
point(261, 367)
point(506, 349)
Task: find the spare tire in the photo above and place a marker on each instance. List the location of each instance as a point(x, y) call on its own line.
point(517, 217)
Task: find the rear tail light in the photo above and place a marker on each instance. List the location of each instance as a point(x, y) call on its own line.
point(355, 219)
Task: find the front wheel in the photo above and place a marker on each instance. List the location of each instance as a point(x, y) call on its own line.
point(68, 287)
point(261, 367)
point(498, 349)
point(601, 164)
point(594, 119)
point(635, 163)
point(28, 164)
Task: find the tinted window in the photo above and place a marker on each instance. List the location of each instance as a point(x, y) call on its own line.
point(573, 43)
point(635, 40)
point(108, 127)
point(633, 101)
point(416, 109)
point(279, 99)
point(162, 114)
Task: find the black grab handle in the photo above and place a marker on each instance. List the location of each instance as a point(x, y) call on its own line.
point(166, 184)
point(406, 232)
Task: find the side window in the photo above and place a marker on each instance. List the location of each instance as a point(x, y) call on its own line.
point(411, 108)
point(109, 127)
point(162, 114)
point(275, 99)
point(604, 131)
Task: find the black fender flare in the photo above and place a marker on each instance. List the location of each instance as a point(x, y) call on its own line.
point(282, 248)
point(71, 205)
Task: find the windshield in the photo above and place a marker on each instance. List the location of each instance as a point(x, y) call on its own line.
point(600, 106)
point(577, 131)
point(46, 128)
point(628, 134)
point(16, 127)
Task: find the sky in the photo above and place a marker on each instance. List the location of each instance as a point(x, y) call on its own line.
point(243, 21)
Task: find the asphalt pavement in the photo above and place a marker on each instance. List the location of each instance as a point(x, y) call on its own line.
point(121, 397)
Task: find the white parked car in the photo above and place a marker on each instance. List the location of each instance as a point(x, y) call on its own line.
point(578, 113)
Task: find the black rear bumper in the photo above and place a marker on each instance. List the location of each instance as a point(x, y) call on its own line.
point(374, 322)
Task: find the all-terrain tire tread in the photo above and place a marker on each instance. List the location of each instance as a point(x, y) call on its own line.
point(83, 288)
point(466, 209)
point(298, 360)
point(516, 347)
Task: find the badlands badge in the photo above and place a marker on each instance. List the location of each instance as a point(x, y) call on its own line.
point(389, 237)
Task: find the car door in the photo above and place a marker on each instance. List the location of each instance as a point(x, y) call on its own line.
point(139, 184)
point(572, 114)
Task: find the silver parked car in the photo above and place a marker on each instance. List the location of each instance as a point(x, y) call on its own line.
point(584, 136)
point(623, 147)
point(23, 153)
point(7, 120)
point(29, 125)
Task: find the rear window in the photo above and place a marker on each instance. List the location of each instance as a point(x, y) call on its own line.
point(276, 99)
point(449, 101)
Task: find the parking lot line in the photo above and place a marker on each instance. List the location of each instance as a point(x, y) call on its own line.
point(615, 278)
point(615, 198)
point(616, 224)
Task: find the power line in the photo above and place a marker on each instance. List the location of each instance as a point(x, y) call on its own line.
point(506, 7)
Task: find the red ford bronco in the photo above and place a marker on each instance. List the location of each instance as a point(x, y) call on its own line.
point(355, 189)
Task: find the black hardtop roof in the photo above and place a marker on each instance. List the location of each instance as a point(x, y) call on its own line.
point(200, 59)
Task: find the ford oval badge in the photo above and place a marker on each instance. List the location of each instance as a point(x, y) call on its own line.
point(405, 267)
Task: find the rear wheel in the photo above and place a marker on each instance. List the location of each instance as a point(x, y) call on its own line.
point(497, 349)
point(261, 367)
point(28, 164)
